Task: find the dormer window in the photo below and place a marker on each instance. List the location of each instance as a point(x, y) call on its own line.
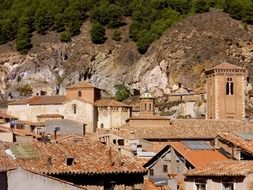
point(69, 161)
point(79, 93)
point(74, 107)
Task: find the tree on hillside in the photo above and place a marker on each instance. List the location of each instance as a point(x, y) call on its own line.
point(97, 33)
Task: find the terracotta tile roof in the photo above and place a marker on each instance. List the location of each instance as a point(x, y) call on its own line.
point(225, 66)
point(246, 145)
point(6, 163)
point(82, 84)
point(149, 185)
point(25, 122)
point(110, 102)
point(228, 66)
point(41, 100)
point(24, 132)
point(157, 147)
point(182, 129)
point(50, 115)
point(228, 168)
point(4, 129)
point(90, 157)
point(198, 157)
point(6, 116)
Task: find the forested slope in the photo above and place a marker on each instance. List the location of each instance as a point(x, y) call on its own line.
point(150, 18)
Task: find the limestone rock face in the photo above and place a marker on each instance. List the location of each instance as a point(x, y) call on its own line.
point(179, 56)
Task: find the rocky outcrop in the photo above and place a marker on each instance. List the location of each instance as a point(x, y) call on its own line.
point(179, 56)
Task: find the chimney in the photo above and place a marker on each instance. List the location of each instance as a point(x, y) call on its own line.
point(56, 129)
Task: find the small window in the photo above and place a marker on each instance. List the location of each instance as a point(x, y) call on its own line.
point(150, 106)
point(145, 107)
point(227, 186)
point(79, 93)
point(178, 166)
point(69, 161)
point(151, 172)
point(165, 169)
point(121, 142)
point(74, 108)
point(201, 186)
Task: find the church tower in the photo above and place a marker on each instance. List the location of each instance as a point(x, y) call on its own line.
point(225, 92)
point(147, 104)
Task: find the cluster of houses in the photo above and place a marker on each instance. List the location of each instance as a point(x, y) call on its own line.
point(84, 141)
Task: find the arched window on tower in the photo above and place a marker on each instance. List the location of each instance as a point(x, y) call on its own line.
point(145, 109)
point(229, 87)
point(74, 107)
point(79, 93)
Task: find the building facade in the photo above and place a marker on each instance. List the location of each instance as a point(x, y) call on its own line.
point(82, 103)
point(225, 92)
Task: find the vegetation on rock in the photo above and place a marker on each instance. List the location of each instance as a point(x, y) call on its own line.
point(25, 90)
point(122, 92)
point(150, 18)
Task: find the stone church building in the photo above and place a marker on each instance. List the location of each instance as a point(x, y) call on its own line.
point(82, 103)
point(226, 92)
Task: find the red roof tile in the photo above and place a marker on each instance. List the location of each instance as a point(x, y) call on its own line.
point(6, 116)
point(41, 100)
point(149, 185)
point(198, 157)
point(246, 145)
point(225, 66)
point(182, 129)
point(89, 158)
point(82, 84)
point(228, 168)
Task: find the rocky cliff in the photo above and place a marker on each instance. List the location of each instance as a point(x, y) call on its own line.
point(180, 56)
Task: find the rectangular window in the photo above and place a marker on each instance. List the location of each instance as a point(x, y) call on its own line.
point(227, 186)
point(201, 186)
point(165, 169)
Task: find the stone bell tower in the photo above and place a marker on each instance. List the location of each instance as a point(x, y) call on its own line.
point(225, 92)
point(147, 104)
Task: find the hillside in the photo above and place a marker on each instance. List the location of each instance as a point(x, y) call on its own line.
point(179, 56)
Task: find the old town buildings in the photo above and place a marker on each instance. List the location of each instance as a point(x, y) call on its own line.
point(83, 141)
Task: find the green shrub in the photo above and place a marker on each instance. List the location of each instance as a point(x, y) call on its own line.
point(116, 35)
point(121, 92)
point(97, 33)
point(25, 90)
point(65, 36)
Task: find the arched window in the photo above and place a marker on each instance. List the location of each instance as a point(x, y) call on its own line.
point(229, 87)
point(150, 106)
point(145, 107)
point(79, 93)
point(74, 106)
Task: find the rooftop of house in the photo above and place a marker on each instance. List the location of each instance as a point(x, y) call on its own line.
point(195, 156)
point(227, 168)
point(82, 84)
point(110, 102)
point(181, 129)
point(6, 116)
point(40, 100)
point(198, 157)
point(237, 141)
point(18, 132)
point(87, 157)
point(149, 185)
